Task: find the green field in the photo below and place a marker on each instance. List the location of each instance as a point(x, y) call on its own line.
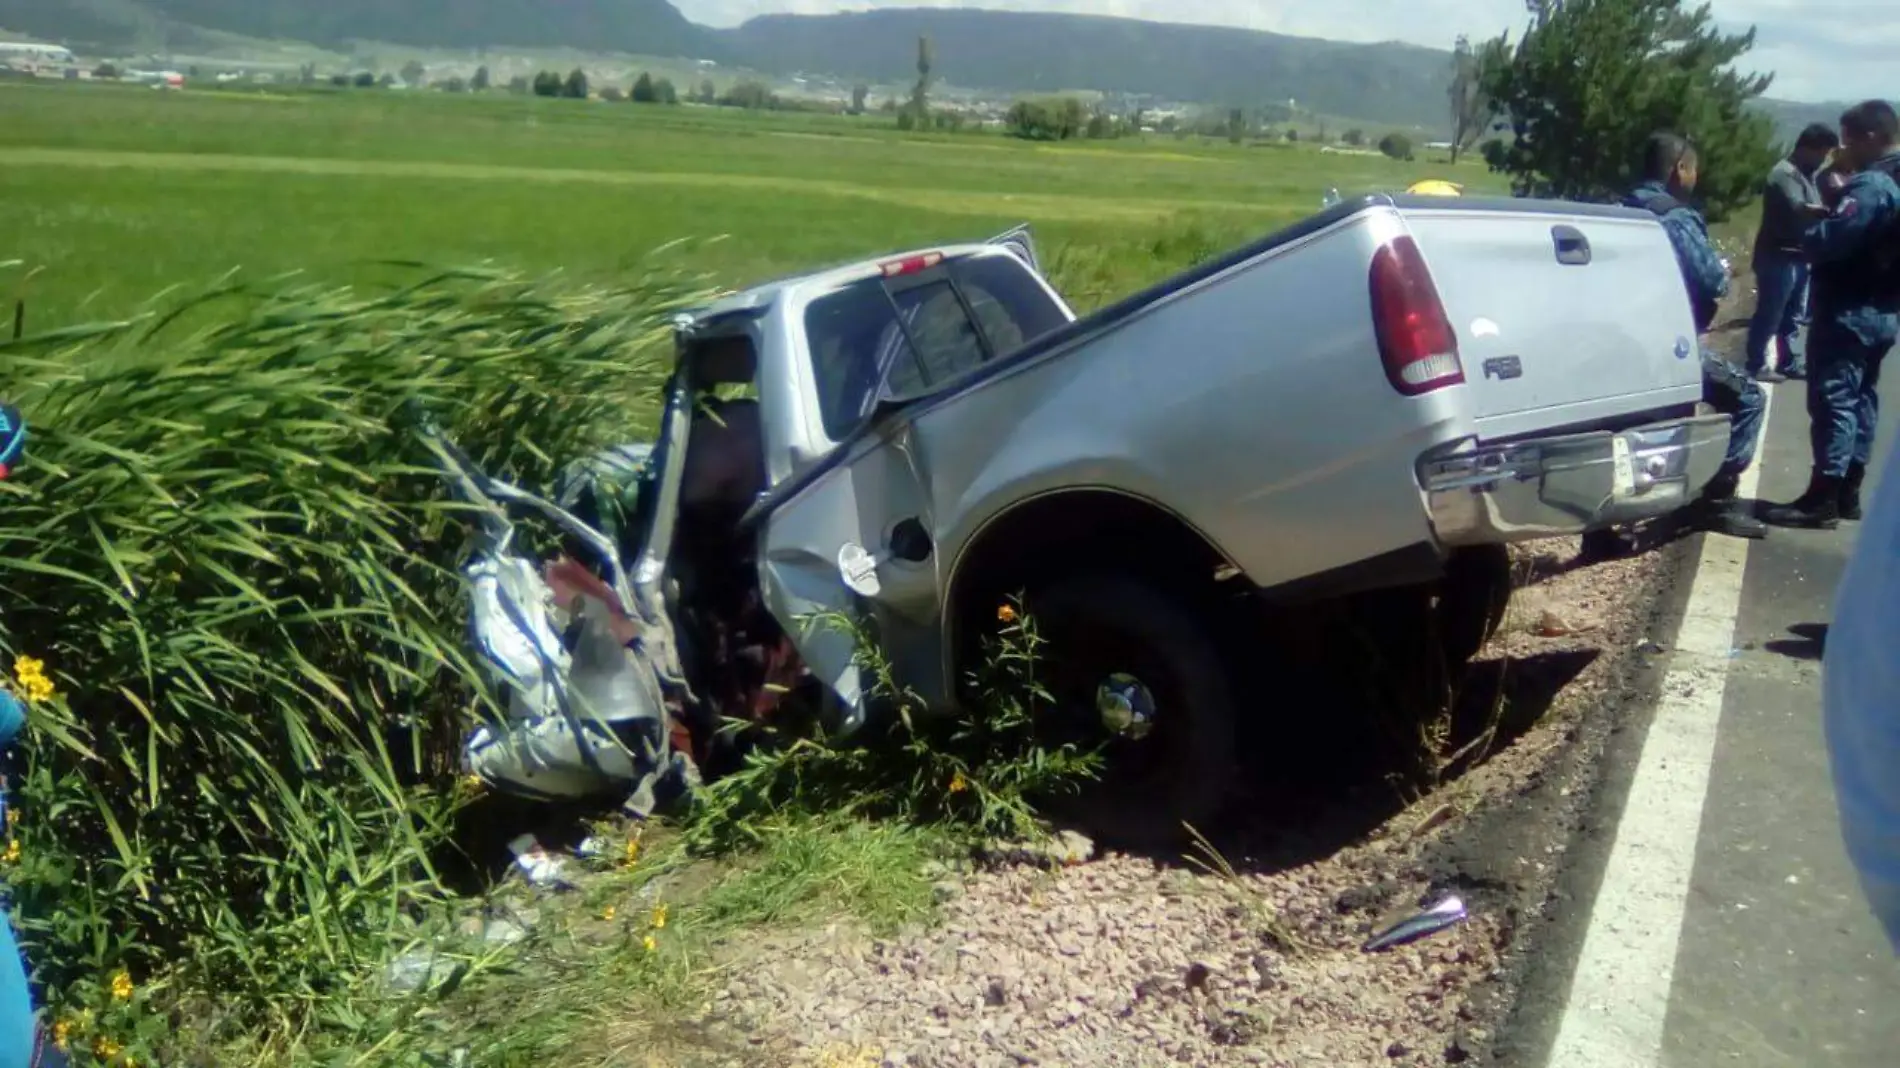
point(112, 193)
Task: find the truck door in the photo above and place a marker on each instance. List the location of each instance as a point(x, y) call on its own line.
point(857, 538)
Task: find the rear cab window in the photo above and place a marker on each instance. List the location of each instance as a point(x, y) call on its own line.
point(913, 335)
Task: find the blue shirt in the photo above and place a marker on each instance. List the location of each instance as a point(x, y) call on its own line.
point(1860, 697)
point(1844, 247)
point(1702, 270)
point(16, 999)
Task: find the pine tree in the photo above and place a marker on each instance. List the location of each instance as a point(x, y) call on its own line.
point(920, 95)
point(1592, 79)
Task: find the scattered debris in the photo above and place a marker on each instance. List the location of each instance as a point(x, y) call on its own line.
point(542, 869)
point(1433, 820)
point(1446, 914)
point(1553, 624)
point(1062, 850)
point(413, 970)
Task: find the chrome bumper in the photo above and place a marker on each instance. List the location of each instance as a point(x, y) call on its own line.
point(1545, 487)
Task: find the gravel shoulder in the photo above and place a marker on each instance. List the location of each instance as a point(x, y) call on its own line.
point(1252, 956)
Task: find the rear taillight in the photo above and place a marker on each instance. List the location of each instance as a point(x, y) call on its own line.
point(1416, 341)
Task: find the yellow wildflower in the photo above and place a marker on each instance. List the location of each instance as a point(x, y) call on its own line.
point(13, 817)
point(650, 943)
point(632, 856)
point(659, 916)
point(1006, 614)
point(34, 685)
point(105, 1049)
point(62, 1034)
point(473, 783)
point(958, 783)
point(122, 986)
point(12, 855)
point(607, 913)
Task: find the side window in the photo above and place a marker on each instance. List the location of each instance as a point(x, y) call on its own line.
point(1011, 307)
point(858, 347)
point(947, 342)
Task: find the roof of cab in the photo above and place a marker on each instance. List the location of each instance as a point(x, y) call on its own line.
point(755, 299)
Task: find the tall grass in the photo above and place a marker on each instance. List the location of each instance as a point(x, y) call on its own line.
point(229, 550)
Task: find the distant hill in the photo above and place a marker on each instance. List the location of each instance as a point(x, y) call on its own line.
point(1005, 51)
point(650, 27)
point(1026, 51)
point(1791, 117)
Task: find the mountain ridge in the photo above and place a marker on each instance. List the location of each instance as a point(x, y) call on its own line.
point(985, 49)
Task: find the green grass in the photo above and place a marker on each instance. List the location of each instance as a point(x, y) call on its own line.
point(113, 192)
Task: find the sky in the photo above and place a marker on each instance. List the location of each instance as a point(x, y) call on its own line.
point(1818, 49)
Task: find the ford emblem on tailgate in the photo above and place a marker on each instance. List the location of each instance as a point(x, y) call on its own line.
point(1683, 348)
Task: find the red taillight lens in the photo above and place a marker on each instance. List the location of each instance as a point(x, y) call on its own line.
point(910, 264)
point(1416, 341)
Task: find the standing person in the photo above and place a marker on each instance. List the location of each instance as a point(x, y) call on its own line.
point(1856, 296)
point(1860, 699)
point(1789, 203)
point(1669, 168)
point(16, 1000)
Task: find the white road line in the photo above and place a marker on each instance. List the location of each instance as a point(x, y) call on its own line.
point(1619, 994)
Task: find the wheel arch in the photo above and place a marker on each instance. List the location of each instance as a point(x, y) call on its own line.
point(1068, 530)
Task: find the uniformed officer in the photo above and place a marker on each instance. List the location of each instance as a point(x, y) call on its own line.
point(1669, 168)
point(1855, 324)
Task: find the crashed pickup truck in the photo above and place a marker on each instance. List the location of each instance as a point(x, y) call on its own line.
point(1378, 398)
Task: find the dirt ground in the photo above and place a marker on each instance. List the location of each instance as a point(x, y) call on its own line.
point(1255, 956)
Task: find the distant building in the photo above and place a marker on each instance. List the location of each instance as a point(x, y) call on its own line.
point(33, 55)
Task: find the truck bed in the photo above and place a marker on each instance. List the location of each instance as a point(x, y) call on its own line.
point(1584, 354)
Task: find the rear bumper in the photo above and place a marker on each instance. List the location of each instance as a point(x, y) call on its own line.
point(1546, 487)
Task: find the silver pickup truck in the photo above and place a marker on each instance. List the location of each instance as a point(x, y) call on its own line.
point(1378, 398)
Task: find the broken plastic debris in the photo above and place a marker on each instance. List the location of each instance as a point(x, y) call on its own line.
point(412, 970)
point(542, 869)
point(1447, 913)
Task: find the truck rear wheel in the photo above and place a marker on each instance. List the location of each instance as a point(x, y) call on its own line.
point(1472, 599)
point(1135, 671)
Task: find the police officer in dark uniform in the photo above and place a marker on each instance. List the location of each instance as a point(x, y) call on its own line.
point(1855, 324)
point(1669, 168)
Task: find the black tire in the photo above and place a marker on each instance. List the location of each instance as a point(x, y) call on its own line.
point(1180, 773)
point(1472, 599)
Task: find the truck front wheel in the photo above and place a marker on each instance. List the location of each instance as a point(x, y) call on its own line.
point(1135, 673)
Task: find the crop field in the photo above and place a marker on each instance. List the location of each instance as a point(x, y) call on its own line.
point(111, 194)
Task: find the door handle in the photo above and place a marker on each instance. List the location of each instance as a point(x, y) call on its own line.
point(1573, 249)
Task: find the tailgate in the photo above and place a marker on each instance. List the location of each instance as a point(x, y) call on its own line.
point(1565, 319)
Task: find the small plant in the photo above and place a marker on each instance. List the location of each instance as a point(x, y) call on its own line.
point(979, 771)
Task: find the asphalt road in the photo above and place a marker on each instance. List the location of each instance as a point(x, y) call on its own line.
point(1712, 916)
point(1780, 961)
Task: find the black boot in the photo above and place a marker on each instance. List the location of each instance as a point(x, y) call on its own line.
point(1732, 517)
point(1817, 509)
point(1850, 492)
point(1717, 510)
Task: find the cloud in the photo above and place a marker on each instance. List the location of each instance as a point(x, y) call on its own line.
point(1817, 49)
